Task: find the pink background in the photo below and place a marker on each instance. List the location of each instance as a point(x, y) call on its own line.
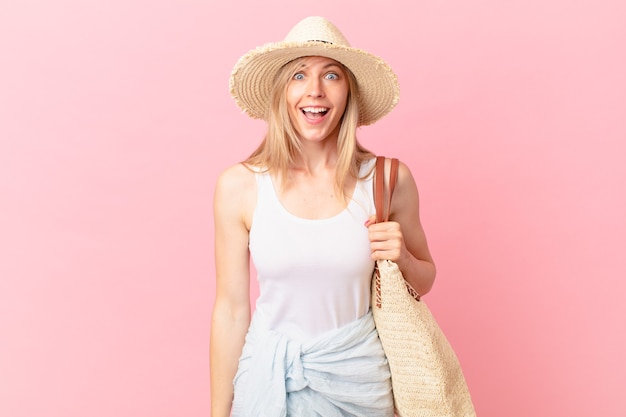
point(115, 120)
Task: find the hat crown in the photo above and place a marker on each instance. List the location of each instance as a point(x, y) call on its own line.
point(318, 29)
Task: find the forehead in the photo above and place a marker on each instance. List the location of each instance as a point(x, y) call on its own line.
point(311, 61)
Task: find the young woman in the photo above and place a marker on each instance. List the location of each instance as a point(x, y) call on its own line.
point(302, 207)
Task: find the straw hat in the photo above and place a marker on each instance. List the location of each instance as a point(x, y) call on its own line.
point(252, 77)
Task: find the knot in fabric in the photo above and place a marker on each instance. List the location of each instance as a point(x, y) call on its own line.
point(343, 372)
point(295, 379)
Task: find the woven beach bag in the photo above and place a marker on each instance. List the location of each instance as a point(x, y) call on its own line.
point(426, 377)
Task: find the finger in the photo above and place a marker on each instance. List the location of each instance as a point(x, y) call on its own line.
point(385, 245)
point(391, 255)
point(393, 237)
point(386, 226)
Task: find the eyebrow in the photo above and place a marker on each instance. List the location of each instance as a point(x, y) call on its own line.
point(330, 64)
point(333, 64)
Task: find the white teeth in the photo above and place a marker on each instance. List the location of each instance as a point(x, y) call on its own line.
point(315, 109)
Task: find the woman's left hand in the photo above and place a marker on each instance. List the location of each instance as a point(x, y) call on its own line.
point(386, 240)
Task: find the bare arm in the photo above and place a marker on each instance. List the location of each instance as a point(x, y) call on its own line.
point(234, 196)
point(402, 239)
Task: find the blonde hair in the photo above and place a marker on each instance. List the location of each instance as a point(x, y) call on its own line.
point(281, 146)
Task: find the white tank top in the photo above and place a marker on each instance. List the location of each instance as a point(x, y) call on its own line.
point(314, 275)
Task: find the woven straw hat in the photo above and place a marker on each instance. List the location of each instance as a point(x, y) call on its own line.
point(252, 77)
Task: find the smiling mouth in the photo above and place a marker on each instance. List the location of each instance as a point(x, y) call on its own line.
point(314, 112)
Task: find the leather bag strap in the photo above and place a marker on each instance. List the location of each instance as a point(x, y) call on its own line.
point(382, 215)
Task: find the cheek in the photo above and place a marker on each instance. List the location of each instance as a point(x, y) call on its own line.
point(342, 97)
point(289, 96)
point(342, 102)
point(291, 101)
point(293, 93)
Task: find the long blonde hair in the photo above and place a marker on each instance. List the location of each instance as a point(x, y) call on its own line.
point(281, 146)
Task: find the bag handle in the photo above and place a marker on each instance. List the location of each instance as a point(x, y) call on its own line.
point(379, 187)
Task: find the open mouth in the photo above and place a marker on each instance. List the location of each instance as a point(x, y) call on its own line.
point(314, 112)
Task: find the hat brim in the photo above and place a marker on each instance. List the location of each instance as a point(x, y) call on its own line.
point(252, 77)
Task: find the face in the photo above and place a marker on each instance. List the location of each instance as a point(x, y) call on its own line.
point(316, 98)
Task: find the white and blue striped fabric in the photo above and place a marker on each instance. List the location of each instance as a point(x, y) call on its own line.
point(341, 373)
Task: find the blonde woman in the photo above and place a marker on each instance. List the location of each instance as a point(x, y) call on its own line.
point(301, 207)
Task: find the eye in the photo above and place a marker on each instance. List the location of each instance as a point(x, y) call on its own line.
point(332, 76)
point(298, 76)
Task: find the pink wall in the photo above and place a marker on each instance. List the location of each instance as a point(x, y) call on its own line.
point(115, 120)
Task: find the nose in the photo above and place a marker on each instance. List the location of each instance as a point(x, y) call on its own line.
point(315, 88)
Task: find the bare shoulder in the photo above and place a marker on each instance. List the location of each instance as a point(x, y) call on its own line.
point(405, 176)
point(238, 176)
point(235, 193)
point(405, 197)
point(405, 182)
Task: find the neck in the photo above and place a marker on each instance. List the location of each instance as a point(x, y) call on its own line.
point(317, 156)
